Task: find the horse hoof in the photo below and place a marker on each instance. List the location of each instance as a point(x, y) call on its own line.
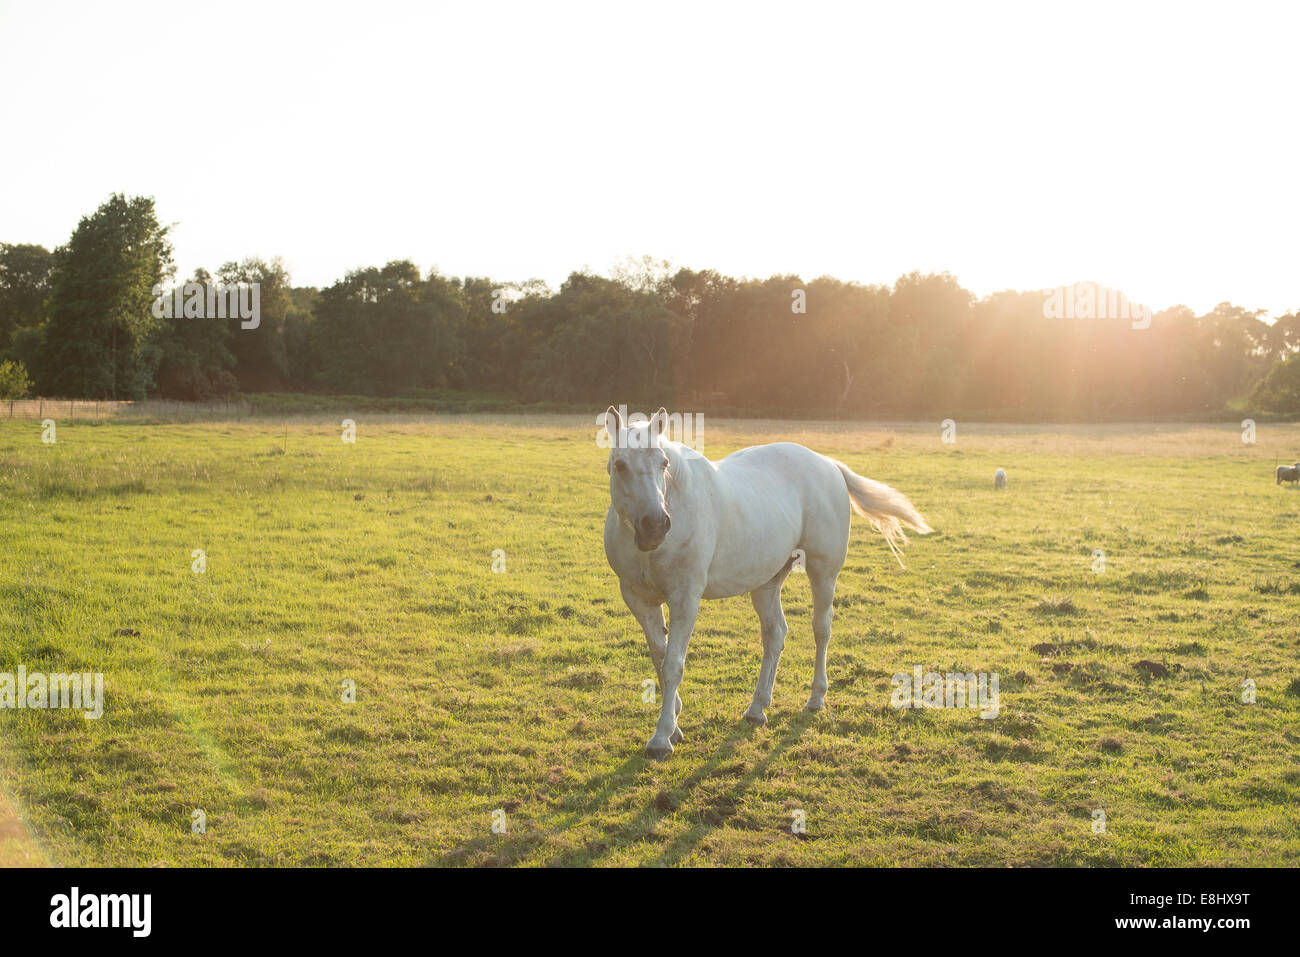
point(814, 707)
point(676, 737)
point(658, 752)
point(757, 720)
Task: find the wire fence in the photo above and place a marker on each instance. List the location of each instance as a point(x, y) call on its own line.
point(94, 410)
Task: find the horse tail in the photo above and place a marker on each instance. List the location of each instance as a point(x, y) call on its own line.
point(886, 508)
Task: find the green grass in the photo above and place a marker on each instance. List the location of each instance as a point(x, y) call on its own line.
point(521, 691)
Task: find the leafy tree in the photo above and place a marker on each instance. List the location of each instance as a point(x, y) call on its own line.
point(1279, 391)
point(1283, 337)
point(13, 380)
point(597, 337)
point(98, 342)
point(24, 285)
point(929, 316)
point(491, 346)
point(261, 362)
point(299, 358)
point(196, 363)
point(386, 331)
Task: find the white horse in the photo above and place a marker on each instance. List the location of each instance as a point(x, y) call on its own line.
point(681, 528)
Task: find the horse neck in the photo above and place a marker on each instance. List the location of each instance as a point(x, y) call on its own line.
point(678, 468)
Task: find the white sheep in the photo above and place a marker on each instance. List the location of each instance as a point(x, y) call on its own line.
point(999, 479)
point(1288, 473)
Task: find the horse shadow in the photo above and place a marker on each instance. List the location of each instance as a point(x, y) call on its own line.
point(788, 730)
point(515, 848)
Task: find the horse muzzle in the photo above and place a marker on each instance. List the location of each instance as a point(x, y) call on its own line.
point(651, 532)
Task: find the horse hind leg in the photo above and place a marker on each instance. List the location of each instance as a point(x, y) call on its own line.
point(822, 579)
point(771, 618)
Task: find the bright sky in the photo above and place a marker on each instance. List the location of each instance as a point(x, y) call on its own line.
point(1152, 148)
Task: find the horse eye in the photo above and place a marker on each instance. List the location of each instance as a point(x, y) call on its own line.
point(621, 465)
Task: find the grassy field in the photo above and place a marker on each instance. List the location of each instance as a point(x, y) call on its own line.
point(521, 691)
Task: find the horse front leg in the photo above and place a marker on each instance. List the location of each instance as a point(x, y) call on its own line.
point(682, 611)
point(650, 616)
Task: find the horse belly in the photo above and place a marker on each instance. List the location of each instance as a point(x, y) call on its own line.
point(756, 539)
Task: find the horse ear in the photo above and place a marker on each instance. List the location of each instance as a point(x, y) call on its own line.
point(612, 422)
point(661, 419)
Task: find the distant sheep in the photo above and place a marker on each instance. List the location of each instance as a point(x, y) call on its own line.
point(1288, 473)
point(999, 479)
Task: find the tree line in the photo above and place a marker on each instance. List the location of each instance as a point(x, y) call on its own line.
point(81, 321)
